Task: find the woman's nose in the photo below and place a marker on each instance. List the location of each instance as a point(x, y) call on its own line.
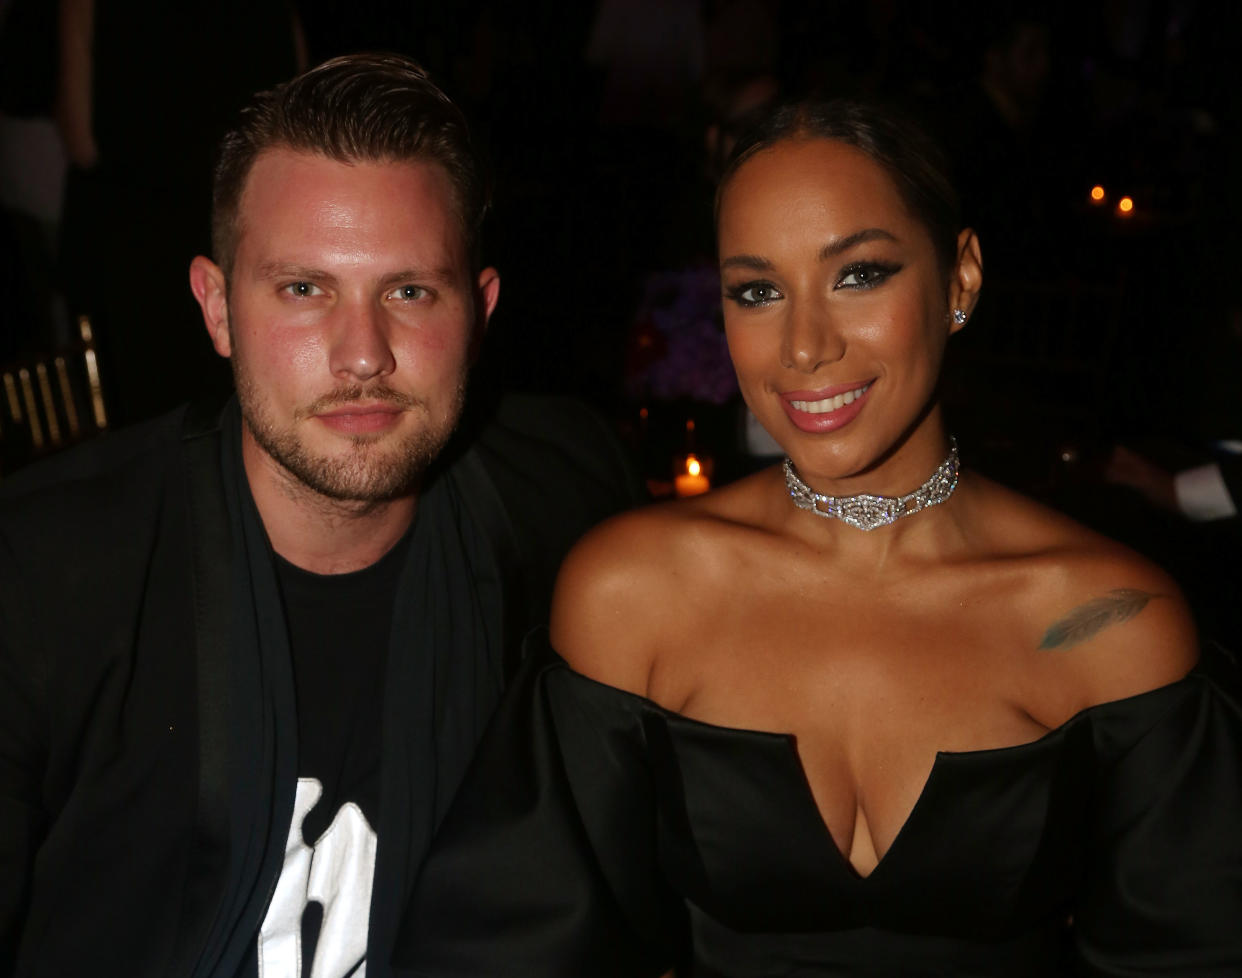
point(812, 337)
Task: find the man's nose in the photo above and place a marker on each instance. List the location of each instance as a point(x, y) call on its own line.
point(812, 336)
point(361, 350)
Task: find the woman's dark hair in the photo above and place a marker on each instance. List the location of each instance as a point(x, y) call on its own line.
point(911, 157)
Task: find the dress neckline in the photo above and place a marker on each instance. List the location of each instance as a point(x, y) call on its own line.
point(942, 759)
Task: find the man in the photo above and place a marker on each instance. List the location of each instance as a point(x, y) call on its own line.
point(245, 655)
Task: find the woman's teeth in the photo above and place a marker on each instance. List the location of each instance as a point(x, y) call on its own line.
point(830, 403)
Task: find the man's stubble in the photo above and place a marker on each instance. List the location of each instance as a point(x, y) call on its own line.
point(377, 468)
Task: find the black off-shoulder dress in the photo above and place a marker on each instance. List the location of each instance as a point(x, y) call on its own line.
point(598, 835)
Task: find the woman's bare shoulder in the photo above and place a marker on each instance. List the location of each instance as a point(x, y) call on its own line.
point(635, 584)
point(1113, 623)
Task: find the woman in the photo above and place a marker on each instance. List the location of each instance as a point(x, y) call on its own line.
point(983, 757)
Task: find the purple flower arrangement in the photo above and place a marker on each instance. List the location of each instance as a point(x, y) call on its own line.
point(677, 345)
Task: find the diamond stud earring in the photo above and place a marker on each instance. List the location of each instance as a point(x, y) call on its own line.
point(959, 317)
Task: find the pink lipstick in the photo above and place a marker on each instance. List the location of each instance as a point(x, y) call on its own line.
point(826, 409)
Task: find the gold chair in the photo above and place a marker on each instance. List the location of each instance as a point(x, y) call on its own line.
point(49, 401)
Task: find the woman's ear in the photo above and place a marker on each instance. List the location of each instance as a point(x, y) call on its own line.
point(967, 279)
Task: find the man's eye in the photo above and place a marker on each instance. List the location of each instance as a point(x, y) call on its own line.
point(754, 293)
point(408, 293)
point(302, 289)
point(865, 275)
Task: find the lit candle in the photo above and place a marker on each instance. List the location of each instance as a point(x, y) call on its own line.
point(1125, 207)
point(692, 480)
point(1098, 196)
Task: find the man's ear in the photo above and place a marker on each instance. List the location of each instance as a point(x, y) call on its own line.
point(967, 278)
point(209, 288)
point(489, 294)
point(486, 297)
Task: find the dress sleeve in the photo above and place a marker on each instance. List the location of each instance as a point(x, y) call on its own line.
point(1163, 894)
point(546, 864)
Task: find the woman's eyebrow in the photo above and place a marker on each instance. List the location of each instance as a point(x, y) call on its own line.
point(752, 262)
point(833, 248)
point(839, 245)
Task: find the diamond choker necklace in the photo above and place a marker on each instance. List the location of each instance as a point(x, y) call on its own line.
point(866, 512)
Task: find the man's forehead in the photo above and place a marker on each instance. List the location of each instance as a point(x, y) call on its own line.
point(313, 194)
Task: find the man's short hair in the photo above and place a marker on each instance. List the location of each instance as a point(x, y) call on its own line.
point(374, 108)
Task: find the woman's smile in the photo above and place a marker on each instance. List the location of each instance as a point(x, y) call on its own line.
point(827, 409)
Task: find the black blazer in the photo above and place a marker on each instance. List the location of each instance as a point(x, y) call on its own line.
point(118, 788)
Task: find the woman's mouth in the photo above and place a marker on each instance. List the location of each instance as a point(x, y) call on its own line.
point(825, 410)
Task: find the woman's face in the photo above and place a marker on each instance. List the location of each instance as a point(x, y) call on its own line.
point(835, 307)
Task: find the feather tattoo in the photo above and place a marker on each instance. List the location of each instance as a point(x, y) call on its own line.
point(1120, 604)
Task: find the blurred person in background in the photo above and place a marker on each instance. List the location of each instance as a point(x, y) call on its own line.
point(145, 90)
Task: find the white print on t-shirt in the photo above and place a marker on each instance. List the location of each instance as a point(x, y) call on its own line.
point(337, 873)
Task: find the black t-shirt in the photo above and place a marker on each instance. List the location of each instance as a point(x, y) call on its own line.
point(339, 629)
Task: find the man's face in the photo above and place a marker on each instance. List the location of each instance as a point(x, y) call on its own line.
point(350, 320)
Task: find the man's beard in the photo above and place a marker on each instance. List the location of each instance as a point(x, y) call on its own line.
point(376, 468)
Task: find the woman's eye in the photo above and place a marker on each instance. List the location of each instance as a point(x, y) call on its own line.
point(754, 294)
point(408, 293)
point(302, 289)
point(865, 275)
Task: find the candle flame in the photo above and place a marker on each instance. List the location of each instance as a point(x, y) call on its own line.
point(1125, 206)
point(692, 466)
point(1097, 194)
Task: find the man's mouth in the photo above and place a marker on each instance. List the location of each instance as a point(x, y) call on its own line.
point(359, 419)
point(360, 411)
point(356, 408)
point(357, 400)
